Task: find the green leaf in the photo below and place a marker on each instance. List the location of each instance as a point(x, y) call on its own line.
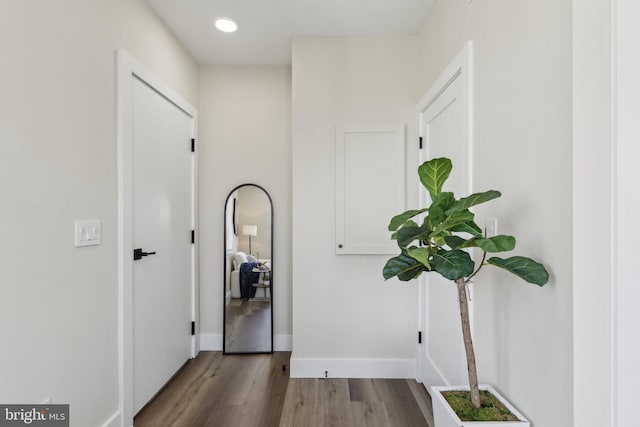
point(472, 200)
point(525, 268)
point(496, 243)
point(426, 224)
point(493, 244)
point(400, 219)
point(413, 273)
point(443, 200)
point(410, 223)
point(453, 220)
point(403, 266)
point(453, 265)
point(408, 234)
point(440, 204)
point(468, 227)
point(438, 240)
point(433, 174)
point(421, 255)
point(455, 242)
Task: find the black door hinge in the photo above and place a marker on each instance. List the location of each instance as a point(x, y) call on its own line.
point(193, 145)
point(193, 236)
point(193, 328)
point(419, 337)
point(420, 143)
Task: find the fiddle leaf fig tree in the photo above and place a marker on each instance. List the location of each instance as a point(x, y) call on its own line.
point(438, 245)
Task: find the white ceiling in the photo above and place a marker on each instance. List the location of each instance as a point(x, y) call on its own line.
point(265, 27)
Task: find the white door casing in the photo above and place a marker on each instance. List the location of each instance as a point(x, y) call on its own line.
point(445, 125)
point(156, 211)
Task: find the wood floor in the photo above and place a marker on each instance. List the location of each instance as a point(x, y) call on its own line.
point(256, 391)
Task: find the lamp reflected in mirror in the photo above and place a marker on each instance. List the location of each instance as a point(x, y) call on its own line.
point(250, 230)
point(248, 272)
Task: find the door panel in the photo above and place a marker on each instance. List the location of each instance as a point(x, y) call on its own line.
point(444, 125)
point(162, 224)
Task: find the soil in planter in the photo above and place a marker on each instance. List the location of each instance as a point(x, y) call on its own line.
point(491, 409)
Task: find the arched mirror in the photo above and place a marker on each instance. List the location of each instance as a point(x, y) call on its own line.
point(248, 272)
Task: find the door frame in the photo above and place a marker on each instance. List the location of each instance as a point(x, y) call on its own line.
point(460, 69)
point(129, 68)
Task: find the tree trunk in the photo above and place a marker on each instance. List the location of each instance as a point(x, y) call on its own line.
point(468, 343)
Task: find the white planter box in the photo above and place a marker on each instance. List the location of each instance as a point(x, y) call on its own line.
point(444, 416)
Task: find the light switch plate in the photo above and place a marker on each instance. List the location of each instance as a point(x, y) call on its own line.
point(88, 232)
point(492, 227)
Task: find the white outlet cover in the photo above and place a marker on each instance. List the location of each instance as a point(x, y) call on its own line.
point(88, 232)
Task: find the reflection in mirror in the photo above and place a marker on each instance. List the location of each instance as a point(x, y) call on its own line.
point(248, 244)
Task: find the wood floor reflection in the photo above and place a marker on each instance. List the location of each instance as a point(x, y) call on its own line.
point(215, 390)
point(248, 326)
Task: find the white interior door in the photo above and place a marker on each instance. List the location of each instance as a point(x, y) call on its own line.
point(445, 126)
point(162, 221)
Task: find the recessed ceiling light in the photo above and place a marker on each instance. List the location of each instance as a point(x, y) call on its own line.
point(225, 24)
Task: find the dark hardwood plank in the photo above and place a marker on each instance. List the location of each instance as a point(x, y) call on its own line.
point(364, 390)
point(401, 406)
point(423, 400)
point(370, 414)
point(301, 401)
point(317, 402)
point(368, 408)
point(334, 402)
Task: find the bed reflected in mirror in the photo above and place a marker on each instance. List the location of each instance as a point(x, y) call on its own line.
point(248, 273)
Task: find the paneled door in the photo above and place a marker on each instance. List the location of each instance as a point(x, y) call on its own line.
point(444, 117)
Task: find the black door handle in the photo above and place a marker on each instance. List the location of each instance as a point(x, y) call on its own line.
point(138, 254)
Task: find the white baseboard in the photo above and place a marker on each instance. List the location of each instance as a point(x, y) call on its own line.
point(114, 421)
point(210, 342)
point(352, 368)
point(282, 342)
point(213, 342)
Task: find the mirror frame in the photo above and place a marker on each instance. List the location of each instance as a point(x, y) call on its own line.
point(224, 269)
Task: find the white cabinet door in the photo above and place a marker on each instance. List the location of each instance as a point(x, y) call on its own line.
point(369, 187)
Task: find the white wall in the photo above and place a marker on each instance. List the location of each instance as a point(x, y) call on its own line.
point(244, 137)
point(343, 311)
point(627, 206)
point(522, 147)
point(58, 310)
point(592, 187)
point(606, 349)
